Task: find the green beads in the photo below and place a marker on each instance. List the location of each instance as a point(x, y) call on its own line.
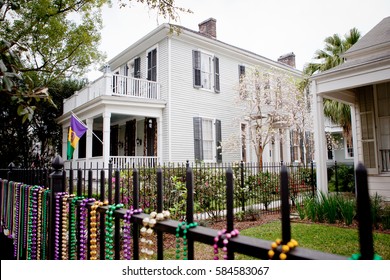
point(184, 230)
point(110, 218)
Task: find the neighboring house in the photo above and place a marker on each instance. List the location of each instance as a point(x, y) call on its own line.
point(338, 148)
point(363, 82)
point(168, 98)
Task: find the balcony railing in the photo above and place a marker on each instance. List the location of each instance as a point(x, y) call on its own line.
point(385, 157)
point(128, 86)
point(114, 85)
point(134, 161)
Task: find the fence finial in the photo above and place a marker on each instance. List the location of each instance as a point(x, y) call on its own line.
point(57, 163)
point(11, 166)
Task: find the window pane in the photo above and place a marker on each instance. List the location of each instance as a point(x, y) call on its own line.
point(208, 140)
point(384, 124)
point(369, 154)
point(383, 99)
point(367, 126)
point(206, 68)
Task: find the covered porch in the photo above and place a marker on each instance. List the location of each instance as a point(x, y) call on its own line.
point(363, 82)
point(124, 120)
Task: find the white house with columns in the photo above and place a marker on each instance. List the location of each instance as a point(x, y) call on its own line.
point(169, 98)
point(363, 82)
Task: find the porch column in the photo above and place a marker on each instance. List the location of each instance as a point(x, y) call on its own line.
point(159, 138)
point(89, 138)
point(64, 142)
point(319, 140)
point(106, 137)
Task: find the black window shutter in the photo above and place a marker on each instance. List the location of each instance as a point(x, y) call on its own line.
point(218, 139)
point(216, 75)
point(152, 65)
point(241, 71)
point(196, 65)
point(137, 67)
point(198, 141)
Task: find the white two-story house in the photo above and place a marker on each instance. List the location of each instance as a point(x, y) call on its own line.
point(167, 98)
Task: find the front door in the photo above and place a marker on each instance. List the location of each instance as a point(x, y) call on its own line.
point(150, 149)
point(130, 134)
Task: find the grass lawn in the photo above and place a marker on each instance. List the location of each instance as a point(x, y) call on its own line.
point(326, 238)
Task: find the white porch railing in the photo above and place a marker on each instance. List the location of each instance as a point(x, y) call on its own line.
point(128, 86)
point(113, 85)
point(120, 162)
point(95, 162)
point(130, 162)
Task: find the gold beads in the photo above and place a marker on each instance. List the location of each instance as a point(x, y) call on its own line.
point(93, 230)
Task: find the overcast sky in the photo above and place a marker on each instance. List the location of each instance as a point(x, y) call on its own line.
point(267, 27)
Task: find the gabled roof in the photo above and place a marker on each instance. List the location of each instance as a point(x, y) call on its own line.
point(165, 30)
point(378, 35)
point(372, 48)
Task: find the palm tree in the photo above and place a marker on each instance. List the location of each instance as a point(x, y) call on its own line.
point(329, 57)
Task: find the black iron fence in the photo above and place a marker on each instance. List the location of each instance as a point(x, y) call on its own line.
point(78, 226)
point(256, 189)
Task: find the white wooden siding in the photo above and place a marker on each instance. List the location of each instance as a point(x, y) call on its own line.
point(188, 102)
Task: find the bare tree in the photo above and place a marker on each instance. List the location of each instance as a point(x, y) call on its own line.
point(271, 103)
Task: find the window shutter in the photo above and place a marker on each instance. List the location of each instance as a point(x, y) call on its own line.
point(152, 65)
point(218, 140)
point(216, 74)
point(196, 64)
point(137, 67)
point(241, 71)
point(198, 141)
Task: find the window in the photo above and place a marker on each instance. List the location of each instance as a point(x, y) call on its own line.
point(243, 142)
point(207, 139)
point(241, 72)
point(137, 68)
point(294, 146)
point(366, 102)
point(348, 149)
point(241, 76)
point(152, 65)
point(205, 66)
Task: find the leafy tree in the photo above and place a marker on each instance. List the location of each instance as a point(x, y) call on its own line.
point(42, 41)
point(42, 44)
point(332, 56)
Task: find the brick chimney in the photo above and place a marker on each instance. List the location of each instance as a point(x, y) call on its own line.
point(208, 28)
point(288, 59)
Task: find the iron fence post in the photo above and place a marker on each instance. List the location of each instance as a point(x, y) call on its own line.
point(364, 214)
point(229, 207)
point(336, 177)
point(284, 194)
point(190, 210)
point(56, 185)
point(312, 178)
point(71, 186)
point(11, 166)
point(135, 206)
point(160, 193)
point(117, 220)
point(110, 182)
point(242, 186)
point(102, 216)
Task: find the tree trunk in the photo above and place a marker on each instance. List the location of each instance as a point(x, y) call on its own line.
point(260, 157)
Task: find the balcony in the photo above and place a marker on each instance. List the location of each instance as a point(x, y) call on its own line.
point(114, 85)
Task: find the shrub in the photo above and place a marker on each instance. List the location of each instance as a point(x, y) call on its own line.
point(345, 178)
point(347, 209)
point(385, 217)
